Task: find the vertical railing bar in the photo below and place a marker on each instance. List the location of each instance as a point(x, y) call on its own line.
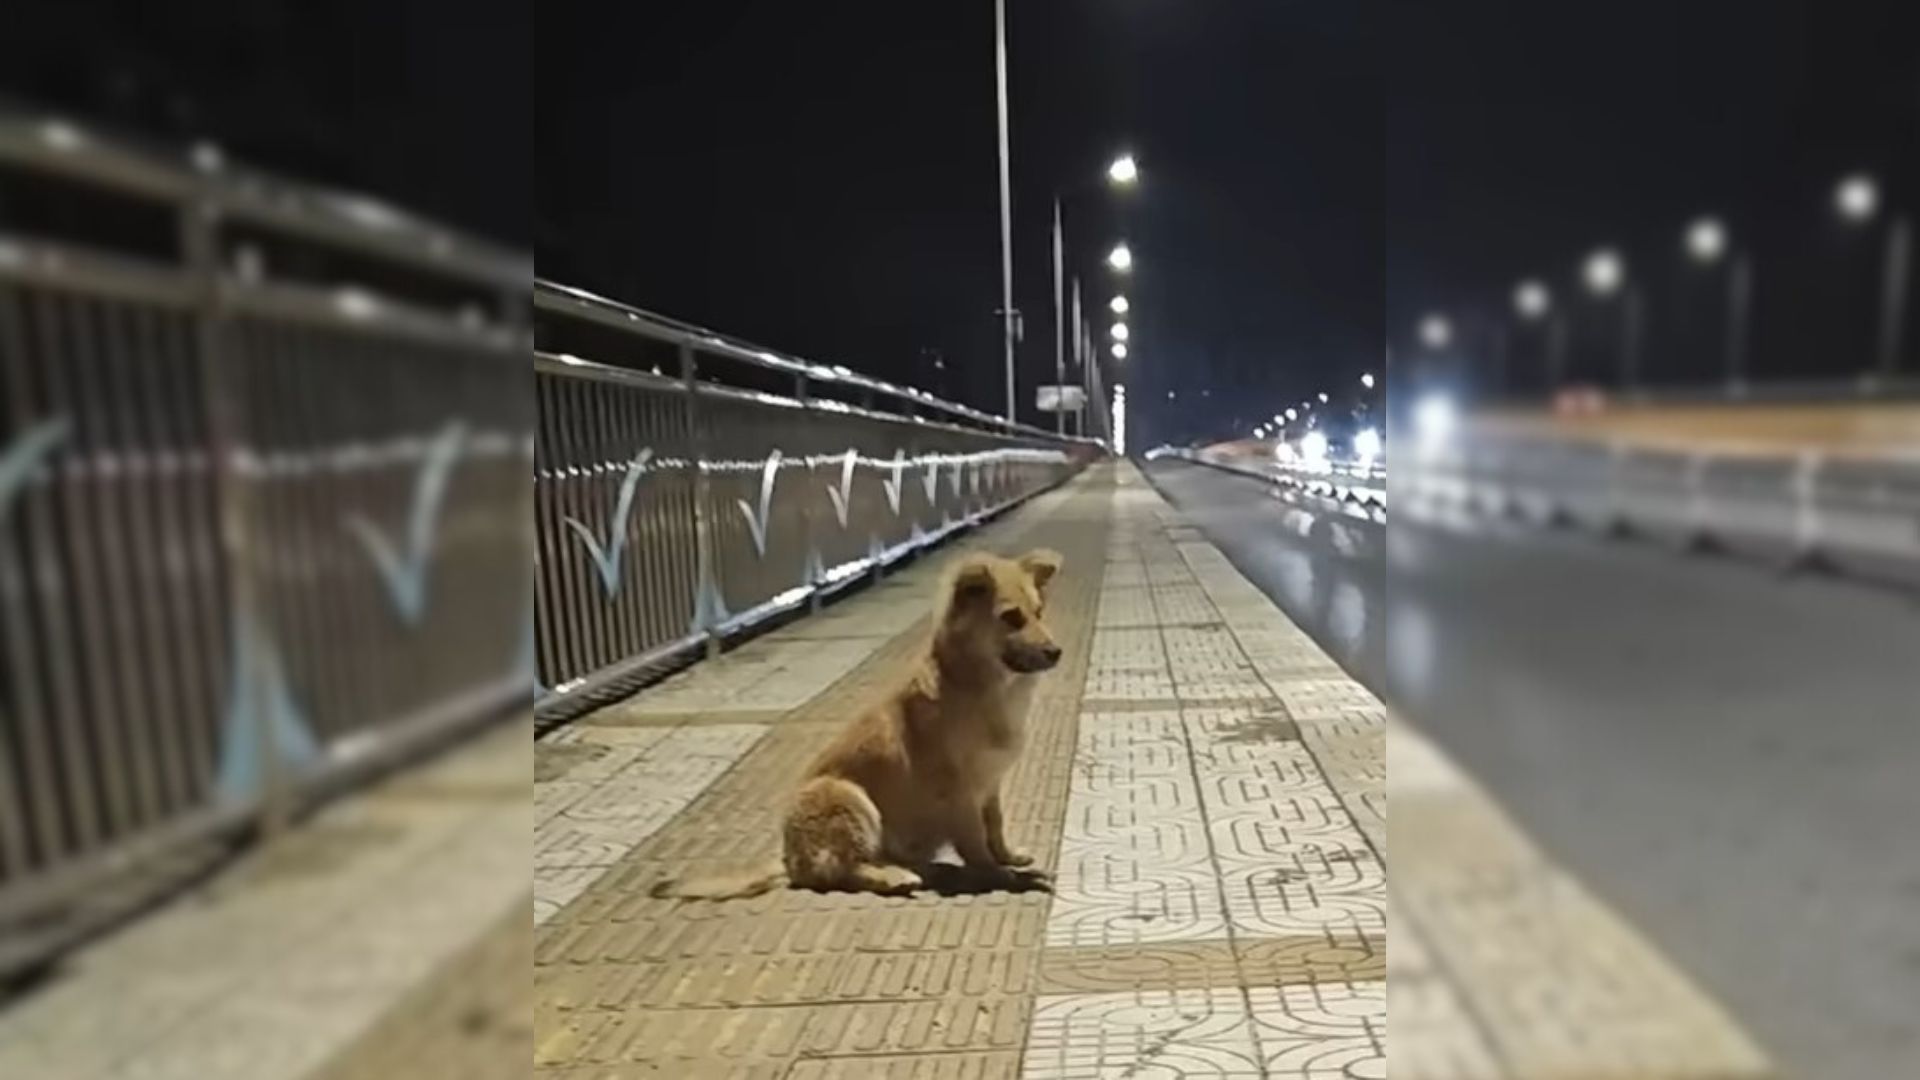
point(128, 358)
point(105, 753)
point(35, 809)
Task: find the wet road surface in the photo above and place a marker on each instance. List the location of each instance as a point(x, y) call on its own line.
point(1731, 759)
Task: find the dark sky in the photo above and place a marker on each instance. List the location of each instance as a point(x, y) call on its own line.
point(1520, 136)
point(822, 178)
point(427, 103)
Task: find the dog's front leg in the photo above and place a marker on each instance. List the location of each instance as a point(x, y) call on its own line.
point(970, 841)
point(997, 837)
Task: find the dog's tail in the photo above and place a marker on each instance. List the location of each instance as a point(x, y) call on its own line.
point(725, 886)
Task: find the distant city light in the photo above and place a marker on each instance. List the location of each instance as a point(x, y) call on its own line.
point(1119, 350)
point(1706, 240)
point(1857, 197)
point(1120, 258)
point(1124, 170)
point(1433, 419)
point(1435, 332)
point(1531, 299)
point(1603, 272)
point(1118, 305)
point(1313, 447)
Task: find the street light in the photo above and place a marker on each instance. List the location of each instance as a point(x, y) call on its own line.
point(1119, 331)
point(1120, 258)
point(1292, 415)
point(1323, 399)
point(1706, 240)
point(1366, 380)
point(1124, 170)
point(1435, 332)
point(1856, 197)
point(1531, 299)
point(1603, 272)
point(1119, 350)
point(1118, 305)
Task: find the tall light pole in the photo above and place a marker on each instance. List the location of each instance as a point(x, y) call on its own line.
point(1606, 274)
point(1006, 200)
point(1857, 198)
point(1122, 172)
point(1706, 243)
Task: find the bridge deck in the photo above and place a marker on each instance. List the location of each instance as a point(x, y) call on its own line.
point(1204, 782)
point(1207, 786)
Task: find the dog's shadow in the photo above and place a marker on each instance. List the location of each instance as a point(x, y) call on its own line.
point(946, 879)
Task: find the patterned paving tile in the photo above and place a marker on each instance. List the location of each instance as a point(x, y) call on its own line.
point(613, 803)
point(1160, 1034)
point(1324, 1031)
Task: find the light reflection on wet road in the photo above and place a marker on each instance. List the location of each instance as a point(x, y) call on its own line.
point(1731, 759)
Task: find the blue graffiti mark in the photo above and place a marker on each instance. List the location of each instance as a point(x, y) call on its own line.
point(608, 558)
point(24, 455)
point(259, 683)
point(406, 576)
point(892, 483)
point(757, 523)
point(841, 494)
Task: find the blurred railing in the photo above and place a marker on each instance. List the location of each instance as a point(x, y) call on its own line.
point(1358, 484)
point(1855, 511)
point(263, 499)
point(688, 485)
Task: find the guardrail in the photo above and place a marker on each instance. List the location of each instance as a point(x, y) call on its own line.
point(263, 459)
point(689, 485)
point(1360, 485)
point(1853, 512)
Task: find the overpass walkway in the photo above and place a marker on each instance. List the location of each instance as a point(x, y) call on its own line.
point(1207, 787)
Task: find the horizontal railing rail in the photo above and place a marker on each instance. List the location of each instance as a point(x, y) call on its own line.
point(673, 509)
point(1857, 510)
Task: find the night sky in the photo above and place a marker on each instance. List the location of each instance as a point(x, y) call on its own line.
point(823, 178)
point(427, 103)
point(1520, 137)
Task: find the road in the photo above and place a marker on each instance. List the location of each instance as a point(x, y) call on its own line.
point(1731, 759)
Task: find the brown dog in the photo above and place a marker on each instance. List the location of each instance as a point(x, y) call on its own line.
point(923, 768)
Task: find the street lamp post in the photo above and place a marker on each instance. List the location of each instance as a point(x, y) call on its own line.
point(1006, 201)
point(1857, 199)
point(1706, 243)
point(1605, 275)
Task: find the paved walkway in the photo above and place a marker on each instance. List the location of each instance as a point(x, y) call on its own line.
point(1205, 784)
point(385, 938)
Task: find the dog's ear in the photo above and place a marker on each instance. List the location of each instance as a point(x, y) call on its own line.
point(1041, 564)
point(972, 582)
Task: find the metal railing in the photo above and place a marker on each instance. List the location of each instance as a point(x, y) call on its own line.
point(1851, 511)
point(263, 461)
point(688, 485)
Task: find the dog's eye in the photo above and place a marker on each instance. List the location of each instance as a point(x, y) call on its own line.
point(1014, 618)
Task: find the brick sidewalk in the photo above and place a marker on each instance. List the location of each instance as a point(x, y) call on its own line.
point(1205, 784)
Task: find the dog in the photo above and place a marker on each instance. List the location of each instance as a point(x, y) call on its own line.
point(923, 768)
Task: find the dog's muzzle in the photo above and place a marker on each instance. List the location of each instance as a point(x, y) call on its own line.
point(1029, 661)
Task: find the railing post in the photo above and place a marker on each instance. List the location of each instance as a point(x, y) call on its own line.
point(228, 447)
point(706, 563)
point(809, 506)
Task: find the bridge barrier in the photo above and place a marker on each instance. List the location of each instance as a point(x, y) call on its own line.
point(1857, 511)
point(263, 459)
point(689, 485)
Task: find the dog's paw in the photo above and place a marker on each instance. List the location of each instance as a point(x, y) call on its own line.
point(896, 881)
point(1031, 879)
point(1016, 858)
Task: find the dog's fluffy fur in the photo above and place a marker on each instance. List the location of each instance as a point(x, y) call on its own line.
point(923, 768)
